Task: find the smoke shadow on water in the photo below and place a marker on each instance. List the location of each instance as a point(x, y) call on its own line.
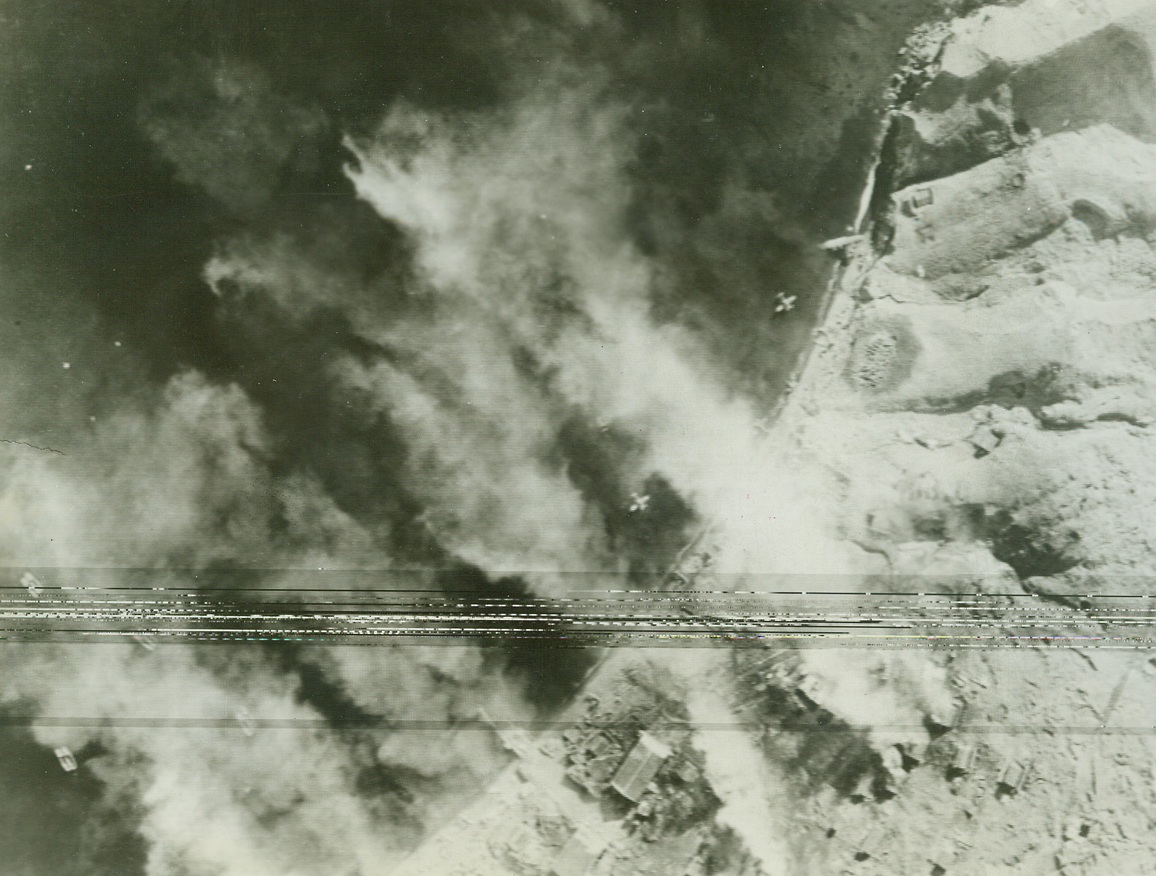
point(55, 821)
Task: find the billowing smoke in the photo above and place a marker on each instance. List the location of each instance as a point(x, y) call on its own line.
point(220, 801)
point(465, 353)
point(740, 776)
point(890, 693)
point(180, 481)
point(531, 306)
point(183, 485)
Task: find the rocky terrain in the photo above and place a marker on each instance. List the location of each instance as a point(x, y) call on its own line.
point(984, 380)
point(983, 389)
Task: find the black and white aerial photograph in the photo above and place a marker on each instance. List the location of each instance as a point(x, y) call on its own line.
point(577, 437)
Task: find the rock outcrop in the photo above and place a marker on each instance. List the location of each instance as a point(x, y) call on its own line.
point(985, 382)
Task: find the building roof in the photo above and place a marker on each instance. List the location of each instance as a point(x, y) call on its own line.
point(579, 855)
point(640, 767)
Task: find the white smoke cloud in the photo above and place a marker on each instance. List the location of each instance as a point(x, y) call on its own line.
point(279, 801)
point(184, 485)
point(176, 488)
point(740, 776)
point(518, 222)
point(888, 693)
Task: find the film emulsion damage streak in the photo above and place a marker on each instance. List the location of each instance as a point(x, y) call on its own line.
point(509, 300)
